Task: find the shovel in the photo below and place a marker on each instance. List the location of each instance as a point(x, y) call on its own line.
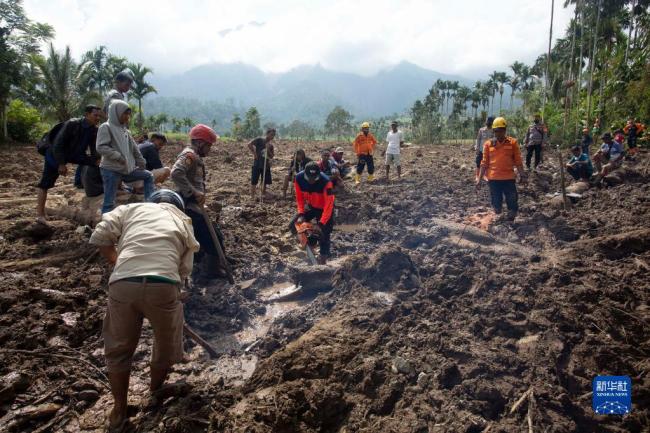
point(222, 257)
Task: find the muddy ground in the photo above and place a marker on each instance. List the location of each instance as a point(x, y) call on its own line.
point(431, 318)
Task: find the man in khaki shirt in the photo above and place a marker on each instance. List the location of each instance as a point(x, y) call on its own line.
point(152, 246)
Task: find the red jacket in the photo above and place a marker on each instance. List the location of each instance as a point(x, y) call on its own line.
point(318, 195)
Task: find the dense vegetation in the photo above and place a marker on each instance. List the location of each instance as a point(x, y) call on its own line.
point(599, 70)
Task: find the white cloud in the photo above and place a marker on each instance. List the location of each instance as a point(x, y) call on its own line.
point(466, 37)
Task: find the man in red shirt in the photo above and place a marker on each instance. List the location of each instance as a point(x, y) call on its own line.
point(315, 200)
point(501, 155)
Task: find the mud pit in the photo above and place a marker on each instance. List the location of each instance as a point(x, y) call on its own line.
point(430, 318)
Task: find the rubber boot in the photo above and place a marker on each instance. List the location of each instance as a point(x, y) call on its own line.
point(357, 179)
point(321, 259)
point(371, 177)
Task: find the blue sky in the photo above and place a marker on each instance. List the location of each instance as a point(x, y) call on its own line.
point(465, 37)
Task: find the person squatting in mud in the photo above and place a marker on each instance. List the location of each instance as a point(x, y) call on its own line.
point(188, 175)
point(263, 152)
point(611, 153)
point(297, 165)
point(139, 287)
point(328, 166)
point(344, 166)
point(501, 156)
point(315, 200)
point(121, 158)
point(579, 166)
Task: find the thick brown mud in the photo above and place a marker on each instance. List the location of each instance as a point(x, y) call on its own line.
point(431, 316)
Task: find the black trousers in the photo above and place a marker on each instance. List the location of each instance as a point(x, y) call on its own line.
point(325, 240)
point(479, 158)
point(580, 171)
point(537, 150)
point(202, 234)
point(363, 160)
point(501, 188)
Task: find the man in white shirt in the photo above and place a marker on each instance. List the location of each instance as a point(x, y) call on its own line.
point(395, 140)
point(152, 246)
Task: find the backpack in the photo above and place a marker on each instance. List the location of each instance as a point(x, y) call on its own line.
point(48, 139)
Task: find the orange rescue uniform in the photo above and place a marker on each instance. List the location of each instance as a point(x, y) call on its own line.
point(364, 144)
point(501, 158)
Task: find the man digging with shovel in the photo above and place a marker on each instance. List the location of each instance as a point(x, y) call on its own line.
point(151, 246)
point(188, 174)
point(315, 200)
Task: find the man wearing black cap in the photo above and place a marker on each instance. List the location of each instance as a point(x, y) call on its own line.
point(315, 200)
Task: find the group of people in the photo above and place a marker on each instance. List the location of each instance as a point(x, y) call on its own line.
point(172, 224)
point(499, 160)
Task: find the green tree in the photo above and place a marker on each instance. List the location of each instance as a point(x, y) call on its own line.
point(177, 124)
point(20, 38)
point(59, 88)
point(97, 77)
point(22, 121)
point(301, 130)
point(236, 128)
point(338, 122)
point(141, 87)
point(252, 128)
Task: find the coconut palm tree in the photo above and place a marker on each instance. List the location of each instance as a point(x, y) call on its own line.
point(494, 86)
point(141, 87)
point(97, 76)
point(516, 81)
point(501, 80)
point(59, 88)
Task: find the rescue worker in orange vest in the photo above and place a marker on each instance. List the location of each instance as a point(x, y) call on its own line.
point(364, 146)
point(315, 200)
point(501, 156)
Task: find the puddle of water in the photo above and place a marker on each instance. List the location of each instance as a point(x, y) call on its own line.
point(278, 291)
point(236, 367)
point(259, 326)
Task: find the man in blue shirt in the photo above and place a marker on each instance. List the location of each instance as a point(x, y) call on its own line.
point(579, 166)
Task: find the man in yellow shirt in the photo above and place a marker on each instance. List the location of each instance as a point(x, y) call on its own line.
point(152, 246)
point(364, 146)
point(501, 155)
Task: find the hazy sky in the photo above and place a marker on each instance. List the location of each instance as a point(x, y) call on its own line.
point(466, 37)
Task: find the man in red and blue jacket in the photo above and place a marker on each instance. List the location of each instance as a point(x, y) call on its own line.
point(315, 200)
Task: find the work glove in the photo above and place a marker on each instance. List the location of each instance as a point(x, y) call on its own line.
point(300, 219)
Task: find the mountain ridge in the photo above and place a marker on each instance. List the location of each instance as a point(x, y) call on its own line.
point(306, 92)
